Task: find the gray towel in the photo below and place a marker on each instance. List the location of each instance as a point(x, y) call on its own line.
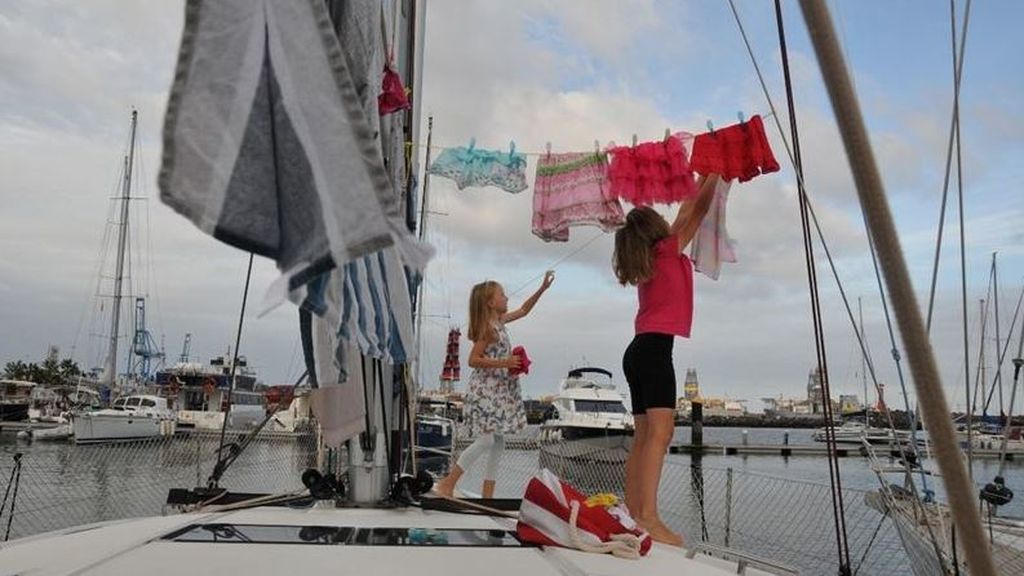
point(266, 143)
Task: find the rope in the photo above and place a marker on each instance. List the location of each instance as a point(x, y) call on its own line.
point(871, 190)
point(620, 545)
point(424, 145)
point(832, 266)
point(251, 502)
point(554, 264)
point(839, 512)
point(475, 506)
point(15, 481)
point(870, 542)
point(954, 123)
point(805, 210)
point(234, 365)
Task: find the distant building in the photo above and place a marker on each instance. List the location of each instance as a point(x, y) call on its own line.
point(718, 407)
point(722, 407)
point(849, 403)
point(815, 391)
point(691, 388)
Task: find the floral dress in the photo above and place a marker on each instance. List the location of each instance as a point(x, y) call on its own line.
point(495, 401)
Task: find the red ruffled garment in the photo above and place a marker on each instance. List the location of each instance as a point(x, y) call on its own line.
point(740, 151)
point(392, 96)
point(652, 172)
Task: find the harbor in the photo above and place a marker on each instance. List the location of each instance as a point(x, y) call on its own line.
point(549, 288)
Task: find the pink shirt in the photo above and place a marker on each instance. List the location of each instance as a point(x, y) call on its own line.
point(666, 300)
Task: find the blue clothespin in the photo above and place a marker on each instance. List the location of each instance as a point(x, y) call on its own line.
point(711, 127)
point(511, 148)
point(472, 143)
point(740, 116)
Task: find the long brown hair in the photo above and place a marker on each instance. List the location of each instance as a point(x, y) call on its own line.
point(633, 259)
point(479, 312)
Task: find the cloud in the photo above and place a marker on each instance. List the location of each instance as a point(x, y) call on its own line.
point(536, 71)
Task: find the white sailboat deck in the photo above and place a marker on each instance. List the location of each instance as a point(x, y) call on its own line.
point(149, 546)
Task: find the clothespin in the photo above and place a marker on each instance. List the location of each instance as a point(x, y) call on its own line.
point(634, 140)
point(512, 149)
point(472, 143)
point(548, 148)
point(711, 128)
point(597, 147)
point(741, 117)
point(668, 133)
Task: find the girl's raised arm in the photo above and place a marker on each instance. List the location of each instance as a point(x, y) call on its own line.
point(690, 214)
point(528, 305)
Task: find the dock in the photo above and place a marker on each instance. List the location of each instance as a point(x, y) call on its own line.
point(847, 451)
point(182, 432)
point(15, 427)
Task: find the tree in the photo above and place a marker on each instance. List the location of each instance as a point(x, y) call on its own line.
point(50, 373)
point(16, 370)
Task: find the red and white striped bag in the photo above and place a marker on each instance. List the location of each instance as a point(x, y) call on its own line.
point(553, 513)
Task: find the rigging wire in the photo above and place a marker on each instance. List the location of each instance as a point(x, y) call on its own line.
point(843, 554)
point(1006, 346)
point(957, 74)
point(871, 192)
point(954, 123)
point(553, 265)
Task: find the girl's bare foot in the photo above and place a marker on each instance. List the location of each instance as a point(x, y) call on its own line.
point(660, 532)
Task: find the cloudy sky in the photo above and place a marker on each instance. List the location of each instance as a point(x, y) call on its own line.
point(537, 71)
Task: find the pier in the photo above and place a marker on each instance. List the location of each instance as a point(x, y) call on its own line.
point(848, 451)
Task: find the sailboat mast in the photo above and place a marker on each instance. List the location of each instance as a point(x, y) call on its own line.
point(424, 210)
point(981, 360)
point(864, 367)
point(999, 363)
point(110, 374)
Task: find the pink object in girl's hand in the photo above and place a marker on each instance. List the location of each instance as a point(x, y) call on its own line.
point(524, 362)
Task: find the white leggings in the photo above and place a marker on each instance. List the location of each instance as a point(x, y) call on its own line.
point(493, 444)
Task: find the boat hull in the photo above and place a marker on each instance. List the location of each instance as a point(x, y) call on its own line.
point(95, 428)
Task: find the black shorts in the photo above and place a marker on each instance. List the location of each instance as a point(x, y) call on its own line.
point(647, 365)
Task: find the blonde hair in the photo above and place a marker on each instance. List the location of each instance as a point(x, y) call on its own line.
point(479, 311)
point(633, 259)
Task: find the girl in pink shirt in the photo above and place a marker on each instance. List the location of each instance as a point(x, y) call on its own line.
point(649, 255)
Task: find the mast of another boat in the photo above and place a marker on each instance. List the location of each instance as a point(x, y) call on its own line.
point(110, 370)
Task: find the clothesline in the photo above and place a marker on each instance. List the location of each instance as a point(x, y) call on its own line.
point(423, 146)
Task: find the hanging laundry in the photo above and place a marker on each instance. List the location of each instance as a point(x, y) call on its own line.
point(360, 27)
point(740, 151)
point(468, 166)
point(653, 172)
point(338, 402)
point(711, 244)
point(367, 302)
point(572, 189)
point(392, 94)
point(267, 146)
